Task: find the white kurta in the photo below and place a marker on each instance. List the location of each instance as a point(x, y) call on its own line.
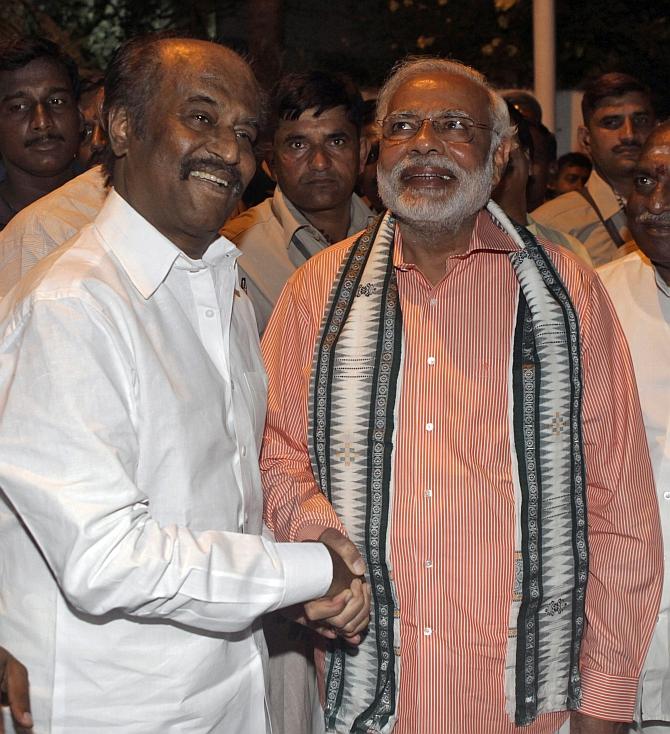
point(642, 302)
point(132, 569)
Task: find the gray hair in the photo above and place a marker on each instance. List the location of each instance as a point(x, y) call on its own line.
point(419, 65)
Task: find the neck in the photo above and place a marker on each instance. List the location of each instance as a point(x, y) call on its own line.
point(429, 248)
point(513, 205)
point(19, 189)
point(333, 223)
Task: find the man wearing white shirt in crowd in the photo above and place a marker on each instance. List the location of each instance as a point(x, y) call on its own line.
point(132, 403)
point(639, 286)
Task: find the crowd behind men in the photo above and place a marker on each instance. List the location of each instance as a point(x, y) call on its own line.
point(448, 460)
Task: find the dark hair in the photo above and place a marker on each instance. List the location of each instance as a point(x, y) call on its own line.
point(524, 98)
point(316, 90)
point(613, 84)
point(133, 78)
point(369, 111)
point(522, 129)
point(574, 159)
point(18, 52)
point(548, 140)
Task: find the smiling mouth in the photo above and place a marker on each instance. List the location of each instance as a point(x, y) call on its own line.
point(204, 176)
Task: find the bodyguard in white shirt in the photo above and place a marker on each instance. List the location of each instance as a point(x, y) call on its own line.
point(132, 404)
point(639, 286)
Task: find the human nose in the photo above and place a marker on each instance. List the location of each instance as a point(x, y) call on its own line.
point(226, 145)
point(41, 118)
point(627, 130)
point(319, 160)
point(426, 139)
point(658, 201)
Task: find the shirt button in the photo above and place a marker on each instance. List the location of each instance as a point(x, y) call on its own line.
point(433, 301)
point(243, 450)
point(428, 564)
point(429, 426)
point(428, 493)
point(431, 361)
point(209, 313)
point(427, 631)
point(666, 495)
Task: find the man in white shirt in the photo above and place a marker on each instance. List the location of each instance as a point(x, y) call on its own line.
point(132, 403)
point(639, 286)
point(618, 116)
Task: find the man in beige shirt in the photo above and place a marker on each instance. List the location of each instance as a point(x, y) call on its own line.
point(618, 116)
point(317, 155)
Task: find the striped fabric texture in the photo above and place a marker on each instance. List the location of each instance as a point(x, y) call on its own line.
point(452, 547)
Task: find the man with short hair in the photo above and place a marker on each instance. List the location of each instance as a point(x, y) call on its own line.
point(461, 398)
point(572, 172)
point(639, 286)
point(40, 124)
point(93, 139)
point(317, 154)
point(618, 116)
point(132, 404)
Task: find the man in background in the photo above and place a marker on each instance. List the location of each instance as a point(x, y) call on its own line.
point(639, 286)
point(618, 116)
point(40, 124)
point(317, 154)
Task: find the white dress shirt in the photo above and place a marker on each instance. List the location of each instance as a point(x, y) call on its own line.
point(642, 301)
point(132, 567)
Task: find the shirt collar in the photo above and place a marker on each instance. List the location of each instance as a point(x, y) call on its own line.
point(603, 195)
point(291, 219)
point(146, 255)
point(486, 236)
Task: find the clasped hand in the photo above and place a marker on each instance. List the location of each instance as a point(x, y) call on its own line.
point(345, 609)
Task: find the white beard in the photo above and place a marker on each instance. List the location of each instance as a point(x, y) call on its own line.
point(438, 210)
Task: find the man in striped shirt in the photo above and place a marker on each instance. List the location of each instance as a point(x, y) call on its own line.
point(464, 398)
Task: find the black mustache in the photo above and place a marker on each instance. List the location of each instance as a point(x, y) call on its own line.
point(42, 139)
point(213, 166)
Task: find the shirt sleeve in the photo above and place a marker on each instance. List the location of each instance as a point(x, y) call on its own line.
point(69, 447)
point(625, 547)
point(295, 508)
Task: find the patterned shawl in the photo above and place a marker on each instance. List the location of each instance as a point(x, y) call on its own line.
point(353, 399)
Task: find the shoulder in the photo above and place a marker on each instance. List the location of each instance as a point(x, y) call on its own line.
point(624, 268)
point(552, 212)
point(244, 226)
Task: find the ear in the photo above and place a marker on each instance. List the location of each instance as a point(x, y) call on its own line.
point(584, 138)
point(363, 152)
point(269, 164)
point(118, 131)
point(500, 158)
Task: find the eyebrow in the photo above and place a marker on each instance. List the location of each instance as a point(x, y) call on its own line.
point(26, 93)
point(436, 113)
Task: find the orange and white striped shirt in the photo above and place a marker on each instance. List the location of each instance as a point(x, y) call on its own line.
point(453, 509)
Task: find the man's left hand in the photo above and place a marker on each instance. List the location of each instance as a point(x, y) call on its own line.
point(583, 724)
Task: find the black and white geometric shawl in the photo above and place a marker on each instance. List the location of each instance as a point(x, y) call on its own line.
point(356, 382)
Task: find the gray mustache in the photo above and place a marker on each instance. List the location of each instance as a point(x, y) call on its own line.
point(647, 218)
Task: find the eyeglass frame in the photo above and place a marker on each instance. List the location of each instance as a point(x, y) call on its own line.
point(432, 119)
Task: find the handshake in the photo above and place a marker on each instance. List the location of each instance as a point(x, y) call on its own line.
point(345, 609)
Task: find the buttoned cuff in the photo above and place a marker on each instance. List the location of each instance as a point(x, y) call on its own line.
point(608, 697)
point(308, 571)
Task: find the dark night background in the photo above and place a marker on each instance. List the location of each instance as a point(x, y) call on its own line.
point(365, 37)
